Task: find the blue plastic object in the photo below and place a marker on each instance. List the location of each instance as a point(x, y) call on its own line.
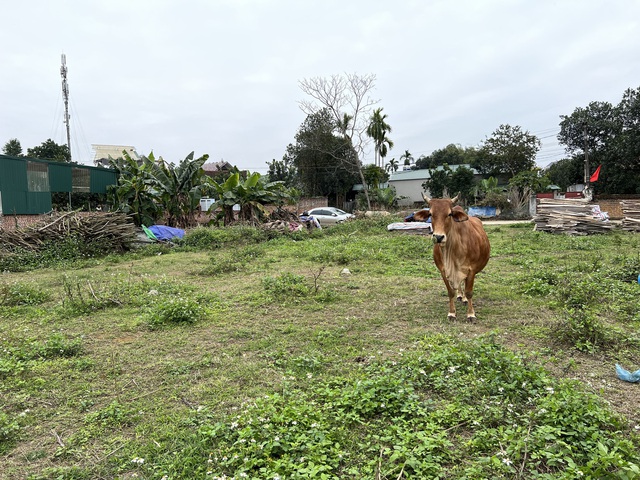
point(633, 377)
point(162, 232)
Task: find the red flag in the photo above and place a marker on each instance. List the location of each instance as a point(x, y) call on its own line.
point(596, 174)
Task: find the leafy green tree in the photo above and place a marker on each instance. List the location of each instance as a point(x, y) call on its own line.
point(451, 155)
point(319, 157)
point(445, 180)
point(180, 189)
point(377, 131)
point(609, 136)
point(12, 148)
point(50, 150)
point(438, 182)
point(283, 171)
point(534, 180)
point(134, 194)
point(462, 182)
point(508, 151)
point(566, 172)
point(374, 175)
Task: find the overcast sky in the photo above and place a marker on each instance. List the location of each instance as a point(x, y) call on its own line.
point(221, 76)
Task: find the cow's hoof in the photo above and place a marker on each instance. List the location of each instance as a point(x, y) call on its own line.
point(471, 318)
point(459, 298)
point(451, 316)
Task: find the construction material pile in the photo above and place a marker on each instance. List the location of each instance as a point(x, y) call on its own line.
point(116, 229)
point(283, 226)
point(631, 212)
point(570, 217)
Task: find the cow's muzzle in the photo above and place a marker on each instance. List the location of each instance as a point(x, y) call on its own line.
point(437, 238)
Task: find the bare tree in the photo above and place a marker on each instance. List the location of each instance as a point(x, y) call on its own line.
point(348, 99)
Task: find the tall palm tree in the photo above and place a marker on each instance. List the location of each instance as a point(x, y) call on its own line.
point(392, 166)
point(377, 130)
point(407, 157)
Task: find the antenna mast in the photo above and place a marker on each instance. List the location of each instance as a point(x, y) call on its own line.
point(65, 96)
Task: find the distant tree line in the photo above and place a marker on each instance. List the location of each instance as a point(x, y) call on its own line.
point(48, 150)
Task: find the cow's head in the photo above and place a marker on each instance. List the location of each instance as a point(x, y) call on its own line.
point(442, 212)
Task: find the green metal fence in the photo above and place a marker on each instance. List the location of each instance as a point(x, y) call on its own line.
point(26, 184)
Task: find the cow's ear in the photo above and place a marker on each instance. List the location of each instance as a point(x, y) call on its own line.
point(458, 215)
point(421, 215)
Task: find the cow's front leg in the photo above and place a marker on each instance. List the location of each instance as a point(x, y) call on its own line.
point(452, 296)
point(468, 291)
point(461, 293)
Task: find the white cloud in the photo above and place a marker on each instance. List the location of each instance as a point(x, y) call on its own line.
point(222, 77)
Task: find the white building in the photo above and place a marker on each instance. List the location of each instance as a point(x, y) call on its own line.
point(408, 184)
point(101, 153)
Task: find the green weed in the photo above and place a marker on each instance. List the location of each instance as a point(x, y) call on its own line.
point(212, 238)
point(286, 284)
point(9, 428)
point(64, 251)
point(232, 261)
point(20, 293)
point(113, 415)
point(174, 310)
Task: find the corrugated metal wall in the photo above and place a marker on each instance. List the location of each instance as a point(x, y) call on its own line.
point(101, 179)
point(60, 179)
point(18, 195)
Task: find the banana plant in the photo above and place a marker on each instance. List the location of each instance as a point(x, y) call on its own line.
point(180, 189)
point(134, 194)
point(250, 195)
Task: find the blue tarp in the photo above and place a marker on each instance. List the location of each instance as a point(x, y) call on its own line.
point(162, 232)
point(482, 211)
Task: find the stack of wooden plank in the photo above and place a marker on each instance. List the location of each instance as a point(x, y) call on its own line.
point(631, 212)
point(116, 229)
point(570, 217)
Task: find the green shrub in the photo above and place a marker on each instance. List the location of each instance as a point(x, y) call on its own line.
point(113, 415)
point(57, 345)
point(18, 293)
point(9, 427)
point(168, 310)
point(231, 261)
point(584, 330)
point(67, 249)
point(62, 473)
point(287, 284)
point(210, 237)
point(418, 415)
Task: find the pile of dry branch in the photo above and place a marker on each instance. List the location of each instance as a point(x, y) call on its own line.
point(571, 217)
point(115, 228)
point(631, 212)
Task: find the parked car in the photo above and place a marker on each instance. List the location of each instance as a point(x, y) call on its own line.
point(329, 215)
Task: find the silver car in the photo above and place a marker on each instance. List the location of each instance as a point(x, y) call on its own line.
point(329, 215)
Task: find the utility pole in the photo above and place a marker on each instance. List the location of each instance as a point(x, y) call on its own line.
point(587, 176)
point(65, 96)
point(587, 191)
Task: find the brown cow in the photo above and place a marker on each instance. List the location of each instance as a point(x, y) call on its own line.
point(460, 248)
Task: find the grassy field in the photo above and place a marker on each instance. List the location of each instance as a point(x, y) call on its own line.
point(248, 354)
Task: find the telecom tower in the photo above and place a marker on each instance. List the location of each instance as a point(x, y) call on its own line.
point(65, 96)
